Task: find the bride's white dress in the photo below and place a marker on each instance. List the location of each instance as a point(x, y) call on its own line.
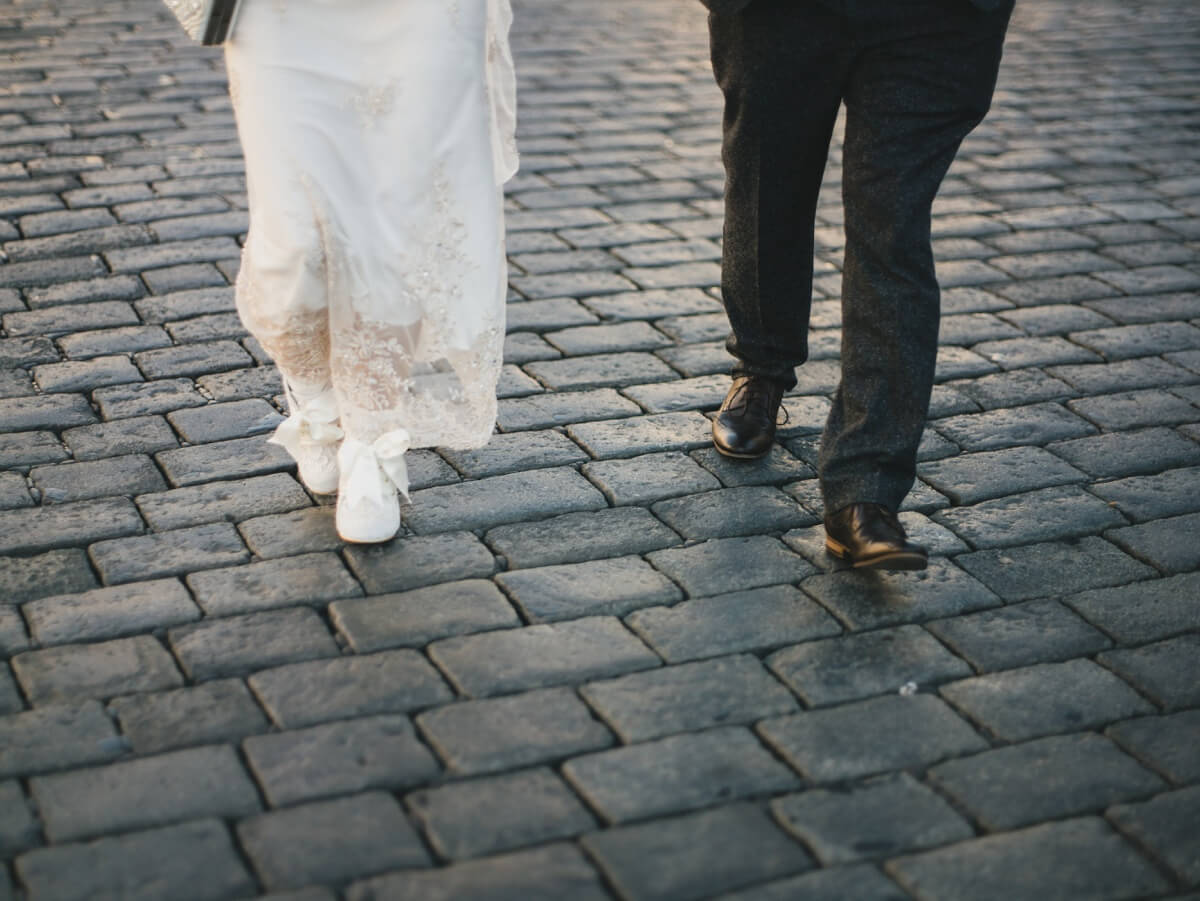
point(377, 136)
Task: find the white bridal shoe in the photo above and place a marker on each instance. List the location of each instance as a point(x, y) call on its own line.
point(373, 477)
point(311, 435)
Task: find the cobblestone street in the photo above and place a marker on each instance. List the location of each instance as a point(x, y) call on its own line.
point(601, 661)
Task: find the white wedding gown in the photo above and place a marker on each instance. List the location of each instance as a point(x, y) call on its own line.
point(377, 136)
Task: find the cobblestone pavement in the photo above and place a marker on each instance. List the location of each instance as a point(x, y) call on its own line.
point(602, 662)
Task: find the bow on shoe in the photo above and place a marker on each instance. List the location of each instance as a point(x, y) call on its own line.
point(370, 472)
point(313, 421)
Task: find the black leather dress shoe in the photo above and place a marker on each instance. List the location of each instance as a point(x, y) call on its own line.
point(745, 426)
point(869, 536)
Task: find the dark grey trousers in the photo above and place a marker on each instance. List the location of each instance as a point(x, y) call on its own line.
point(915, 78)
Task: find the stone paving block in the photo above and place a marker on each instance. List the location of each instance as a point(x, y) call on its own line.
point(597, 339)
point(562, 408)
point(524, 808)
point(112, 612)
point(56, 737)
point(240, 644)
point(189, 862)
point(692, 856)
point(1154, 496)
point(68, 482)
point(331, 842)
point(1045, 699)
point(1143, 611)
point(18, 828)
point(1036, 424)
point(508, 498)
point(240, 384)
point(13, 491)
point(1046, 779)
point(1019, 635)
point(409, 563)
point(576, 537)
point(150, 791)
point(733, 512)
point(722, 565)
point(1053, 568)
point(834, 670)
point(22, 449)
point(218, 422)
point(1126, 341)
point(10, 697)
point(84, 375)
point(27, 352)
point(1166, 826)
point(549, 873)
point(514, 731)
point(611, 586)
point(865, 600)
point(1043, 515)
point(701, 393)
point(46, 411)
point(540, 656)
point(147, 398)
point(1165, 743)
point(642, 434)
point(71, 673)
point(140, 435)
point(238, 458)
point(648, 478)
point(304, 579)
point(1072, 859)
point(599, 370)
point(516, 451)
point(862, 882)
point(338, 758)
point(59, 320)
point(973, 477)
point(231, 501)
point(880, 818)
point(303, 531)
point(1135, 409)
point(1058, 319)
point(161, 554)
point(873, 736)
point(1169, 544)
point(776, 468)
point(544, 315)
point(13, 639)
point(1143, 451)
point(677, 774)
point(1164, 672)
point(126, 339)
point(754, 620)
point(687, 698)
point(415, 618)
point(204, 714)
point(304, 694)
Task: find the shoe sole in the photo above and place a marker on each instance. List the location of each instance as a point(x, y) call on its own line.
point(727, 453)
point(899, 560)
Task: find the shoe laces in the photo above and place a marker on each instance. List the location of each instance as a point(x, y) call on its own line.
point(755, 396)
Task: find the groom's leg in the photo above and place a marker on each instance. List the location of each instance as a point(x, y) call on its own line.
point(919, 85)
point(780, 65)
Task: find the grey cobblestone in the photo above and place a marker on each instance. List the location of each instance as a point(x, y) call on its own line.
point(305, 579)
point(22, 449)
point(192, 862)
point(67, 482)
point(970, 478)
point(724, 565)
point(883, 817)
point(1142, 451)
point(1081, 858)
point(168, 553)
point(1164, 743)
point(203, 714)
point(540, 656)
point(232, 501)
point(575, 537)
point(54, 572)
point(151, 791)
point(1142, 611)
point(525, 808)
point(409, 563)
point(113, 612)
point(72, 673)
point(551, 409)
point(610, 586)
point(237, 458)
point(1160, 671)
point(42, 528)
point(517, 451)
point(1162, 825)
point(648, 478)
point(18, 828)
point(677, 774)
point(1045, 699)
point(338, 758)
point(239, 644)
point(694, 855)
point(331, 842)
